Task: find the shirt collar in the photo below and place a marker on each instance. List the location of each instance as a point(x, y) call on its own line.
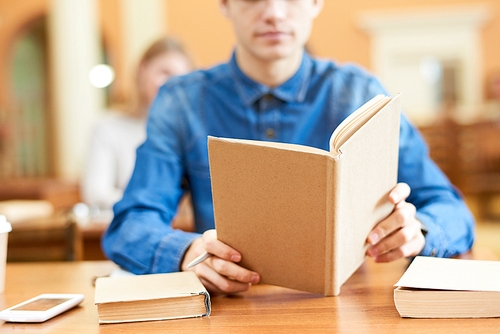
point(293, 90)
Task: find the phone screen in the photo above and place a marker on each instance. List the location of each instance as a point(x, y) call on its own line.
point(42, 304)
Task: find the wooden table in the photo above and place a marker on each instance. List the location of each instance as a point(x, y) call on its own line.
point(365, 305)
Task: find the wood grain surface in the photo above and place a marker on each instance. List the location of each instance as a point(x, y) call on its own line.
point(365, 305)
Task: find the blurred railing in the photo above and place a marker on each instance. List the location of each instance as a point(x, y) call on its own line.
point(469, 154)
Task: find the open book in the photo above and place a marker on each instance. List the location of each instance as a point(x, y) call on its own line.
point(449, 288)
point(300, 215)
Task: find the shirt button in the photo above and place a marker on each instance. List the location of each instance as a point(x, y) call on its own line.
point(267, 97)
point(434, 252)
point(270, 133)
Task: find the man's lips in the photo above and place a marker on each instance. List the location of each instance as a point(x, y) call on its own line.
point(273, 35)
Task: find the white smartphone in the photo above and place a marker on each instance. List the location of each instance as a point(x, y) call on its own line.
point(41, 308)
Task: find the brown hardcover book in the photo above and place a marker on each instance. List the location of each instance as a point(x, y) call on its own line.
point(151, 297)
point(449, 288)
point(300, 215)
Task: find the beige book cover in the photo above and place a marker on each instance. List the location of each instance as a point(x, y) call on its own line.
point(151, 297)
point(299, 215)
point(449, 288)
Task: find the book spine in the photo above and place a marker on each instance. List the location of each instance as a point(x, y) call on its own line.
point(332, 283)
point(208, 305)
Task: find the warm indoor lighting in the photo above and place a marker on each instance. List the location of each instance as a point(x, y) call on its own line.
point(431, 69)
point(101, 75)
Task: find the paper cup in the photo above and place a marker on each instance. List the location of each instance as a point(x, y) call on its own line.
point(5, 228)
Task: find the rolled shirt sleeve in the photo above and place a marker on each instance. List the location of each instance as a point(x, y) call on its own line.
point(140, 237)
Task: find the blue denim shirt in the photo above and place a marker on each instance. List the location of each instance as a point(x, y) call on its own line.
point(224, 102)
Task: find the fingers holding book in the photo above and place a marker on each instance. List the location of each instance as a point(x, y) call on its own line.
point(218, 282)
point(219, 273)
point(400, 234)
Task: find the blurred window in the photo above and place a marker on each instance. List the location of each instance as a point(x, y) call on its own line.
point(24, 134)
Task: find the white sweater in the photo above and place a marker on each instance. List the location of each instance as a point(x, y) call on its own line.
point(111, 158)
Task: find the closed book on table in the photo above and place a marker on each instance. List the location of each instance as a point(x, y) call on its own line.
point(151, 297)
point(449, 288)
point(300, 215)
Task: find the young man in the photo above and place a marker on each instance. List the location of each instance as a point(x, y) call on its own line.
point(270, 90)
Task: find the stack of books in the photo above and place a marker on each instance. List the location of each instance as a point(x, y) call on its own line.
point(449, 288)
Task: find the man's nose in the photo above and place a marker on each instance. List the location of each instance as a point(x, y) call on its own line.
point(275, 10)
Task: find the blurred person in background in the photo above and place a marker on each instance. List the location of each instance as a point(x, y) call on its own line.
point(116, 136)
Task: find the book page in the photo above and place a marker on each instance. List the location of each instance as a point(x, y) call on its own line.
point(368, 171)
point(451, 274)
point(355, 121)
point(144, 287)
point(283, 146)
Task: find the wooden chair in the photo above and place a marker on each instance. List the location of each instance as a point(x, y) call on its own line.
point(470, 156)
point(51, 238)
point(46, 239)
point(60, 193)
point(479, 153)
point(443, 142)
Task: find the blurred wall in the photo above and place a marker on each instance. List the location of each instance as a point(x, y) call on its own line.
point(209, 35)
point(14, 16)
point(336, 33)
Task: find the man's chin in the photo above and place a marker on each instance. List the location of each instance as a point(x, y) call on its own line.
point(277, 53)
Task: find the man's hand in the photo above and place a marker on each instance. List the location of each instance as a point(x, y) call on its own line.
point(400, 234)
point(219, 273)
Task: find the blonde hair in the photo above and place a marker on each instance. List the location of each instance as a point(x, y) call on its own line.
point(129, 102)
point(165, 45)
